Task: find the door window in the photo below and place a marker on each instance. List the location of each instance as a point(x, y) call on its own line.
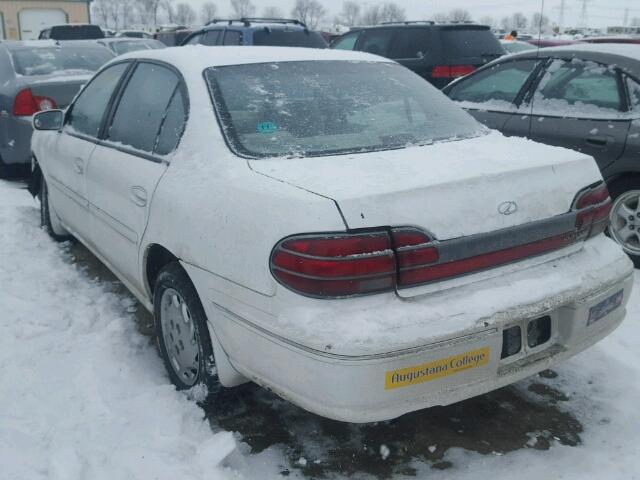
point(232, 37)
point(410, 43)
point(211, 37)
point(498, 85)
point(142, 107)
point(346, 42)
point(578, 87)
point(377, 41)
point(633, 88)
point(87, 112)
point(172, 125)
point(195, 40)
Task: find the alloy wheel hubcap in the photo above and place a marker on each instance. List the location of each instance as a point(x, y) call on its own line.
point(625, 221)
point(180, 337)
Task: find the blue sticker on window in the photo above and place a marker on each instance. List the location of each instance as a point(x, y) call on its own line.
point(267, 127)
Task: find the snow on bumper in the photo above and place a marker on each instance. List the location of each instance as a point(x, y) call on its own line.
point(378, 385)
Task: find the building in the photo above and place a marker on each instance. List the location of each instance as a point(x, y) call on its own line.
point(23, 19)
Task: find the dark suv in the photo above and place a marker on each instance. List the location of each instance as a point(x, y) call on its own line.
point(72, 31)
point(257, 31)
point(437, 52)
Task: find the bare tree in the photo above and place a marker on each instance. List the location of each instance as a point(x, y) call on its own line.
point(635, 22)
point(539, 22)
point(184, 14)
point(488, 20)
point(372, 15)
point(441, 17)
point(100, 12)
point(518, 21)
point(272, 12)
point(167, 6)
point(350, 14)
point(242, 8)
point(392, 12)
point(311, 12)
point(148, 11)
point(208, 12)
point(459, 15)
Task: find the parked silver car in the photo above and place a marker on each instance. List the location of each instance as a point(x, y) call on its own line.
point(122, 45)
point(38, 75)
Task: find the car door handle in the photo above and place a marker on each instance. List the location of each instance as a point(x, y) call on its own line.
point(599, 140)
point(139, 196)
point(78, 165)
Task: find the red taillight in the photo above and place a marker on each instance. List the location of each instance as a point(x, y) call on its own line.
point(451, 71)
point(593, 206)
point(339, 265)
point(26, 104)
point(336, 265)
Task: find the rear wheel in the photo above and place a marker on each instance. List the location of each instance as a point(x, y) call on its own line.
point(49, 219)
point(625, 216)
point(181, 330)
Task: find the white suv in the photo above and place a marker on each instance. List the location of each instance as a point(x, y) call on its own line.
point(330, 226)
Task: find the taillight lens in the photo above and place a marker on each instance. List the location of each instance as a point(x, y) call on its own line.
point(340, 265)
point(336, 265)
point(451, 71)
point(593, 207)
point(27, 104)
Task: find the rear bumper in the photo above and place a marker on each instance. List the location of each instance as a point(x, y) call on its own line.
point(15, 140)
point(363, 386)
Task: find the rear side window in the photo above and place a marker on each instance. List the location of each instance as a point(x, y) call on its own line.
point(470, 42)
point(410, 43)
point(142, 107)
point(377, 41)
point(498, 85)
point(288, 38)
point(210, 38)
point(578, 87)
point(88, 110)
point(346, 42)
point(232, 37)
point(172, 125)
point(633, 88)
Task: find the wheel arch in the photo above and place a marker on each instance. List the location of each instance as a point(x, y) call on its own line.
point(156, 257)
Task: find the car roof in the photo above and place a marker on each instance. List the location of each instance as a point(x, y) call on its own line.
point(424, 24)
point(31, 44)
point(123, 39)
point(625, 56)
point(196, 58)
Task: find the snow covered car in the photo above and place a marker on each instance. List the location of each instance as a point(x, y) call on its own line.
point(37, 75)
point(583, 97)
point(328, 225)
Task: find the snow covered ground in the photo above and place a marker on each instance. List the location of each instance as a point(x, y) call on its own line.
point(83, 395)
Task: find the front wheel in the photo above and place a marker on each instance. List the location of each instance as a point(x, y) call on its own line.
point(625, 218)
point(181, 330)
point(49, 219)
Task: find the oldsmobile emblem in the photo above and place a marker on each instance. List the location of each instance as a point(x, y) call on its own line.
point(507, 208)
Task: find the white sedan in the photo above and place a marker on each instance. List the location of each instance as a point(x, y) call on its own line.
point(330, 226)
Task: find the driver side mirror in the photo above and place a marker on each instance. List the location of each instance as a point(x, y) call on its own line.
point(48, 120)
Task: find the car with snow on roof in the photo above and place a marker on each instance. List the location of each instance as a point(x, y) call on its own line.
point(328, 225)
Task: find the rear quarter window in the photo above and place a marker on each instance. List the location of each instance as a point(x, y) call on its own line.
point(470, 42)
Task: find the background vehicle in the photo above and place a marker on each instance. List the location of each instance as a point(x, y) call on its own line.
point(134, 34)
point(348, 282)
point(612, 39)
point(121, 45)
point(256, 31)
point(436, 52)
point(583, 97)
point(172, 37)
point(72, 31)
point(515, 46)
point(38, 75)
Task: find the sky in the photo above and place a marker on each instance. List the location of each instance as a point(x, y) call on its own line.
point(600, 13)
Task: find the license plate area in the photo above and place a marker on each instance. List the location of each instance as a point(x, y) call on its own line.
point(605, 307)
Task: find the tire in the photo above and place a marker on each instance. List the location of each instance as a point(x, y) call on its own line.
point(49, 219)
point(625, 216)
point(181, 330)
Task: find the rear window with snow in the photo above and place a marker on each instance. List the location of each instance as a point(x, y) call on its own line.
point(54, 60)
point(328, 107)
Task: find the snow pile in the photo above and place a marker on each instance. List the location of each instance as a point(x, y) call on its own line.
point(83, 395)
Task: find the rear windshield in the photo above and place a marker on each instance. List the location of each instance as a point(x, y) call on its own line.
point(288, 38)
point(470, 42)
point(329, 107)
point(48, 61)
point(76, 32)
